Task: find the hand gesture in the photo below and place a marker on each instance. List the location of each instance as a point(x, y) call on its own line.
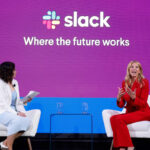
point(121, 92)
point(29, 100)
point(131, 93)
point(21, 114)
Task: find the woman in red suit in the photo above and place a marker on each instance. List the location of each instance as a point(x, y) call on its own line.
point(133, 95)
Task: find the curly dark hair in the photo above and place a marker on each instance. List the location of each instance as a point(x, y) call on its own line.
point(6, 71)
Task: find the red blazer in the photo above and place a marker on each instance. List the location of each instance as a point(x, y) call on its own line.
point(140, 102)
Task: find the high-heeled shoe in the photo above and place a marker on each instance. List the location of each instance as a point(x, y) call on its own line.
point(2, 146)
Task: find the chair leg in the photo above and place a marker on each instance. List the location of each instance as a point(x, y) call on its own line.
point(29, 143)
point(111, 147)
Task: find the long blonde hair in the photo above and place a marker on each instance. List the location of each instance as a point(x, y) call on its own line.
point(128, 78)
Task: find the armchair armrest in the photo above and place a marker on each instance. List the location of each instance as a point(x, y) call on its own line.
point(34, 115)
point(107, 113)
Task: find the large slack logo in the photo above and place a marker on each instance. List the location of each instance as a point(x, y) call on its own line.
point(76, 20)
point(51, 20)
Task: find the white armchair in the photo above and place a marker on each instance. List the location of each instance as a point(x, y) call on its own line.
point(139, 129)
point(34, 115)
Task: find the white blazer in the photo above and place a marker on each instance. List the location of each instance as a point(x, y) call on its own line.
point(6, 98)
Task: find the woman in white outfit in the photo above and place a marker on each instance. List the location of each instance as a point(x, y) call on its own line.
point(12, 112)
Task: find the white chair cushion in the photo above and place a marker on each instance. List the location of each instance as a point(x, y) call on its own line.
point(139, 126)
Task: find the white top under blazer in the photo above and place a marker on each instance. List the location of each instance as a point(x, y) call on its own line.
point(6, 98)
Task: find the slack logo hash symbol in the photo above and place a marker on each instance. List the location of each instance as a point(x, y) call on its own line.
point(51, 20)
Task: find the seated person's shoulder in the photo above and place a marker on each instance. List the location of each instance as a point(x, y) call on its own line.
point(146, 82)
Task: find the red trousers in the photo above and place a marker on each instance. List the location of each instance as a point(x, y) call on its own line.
point(119, 126)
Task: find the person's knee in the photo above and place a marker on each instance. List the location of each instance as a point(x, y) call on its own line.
point(22, 121)
point(115, 119)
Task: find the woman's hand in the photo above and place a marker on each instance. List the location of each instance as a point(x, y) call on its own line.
point(121, 92)
point(21, 114)
point(131, 93)
point(29, 100)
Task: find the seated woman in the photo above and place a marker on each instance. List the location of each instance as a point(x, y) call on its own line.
point(12, 112)
point(133, 96)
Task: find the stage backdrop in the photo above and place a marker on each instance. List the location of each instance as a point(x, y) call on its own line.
point(71, 50)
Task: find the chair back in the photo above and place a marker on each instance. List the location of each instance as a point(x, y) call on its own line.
point(148, 100)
